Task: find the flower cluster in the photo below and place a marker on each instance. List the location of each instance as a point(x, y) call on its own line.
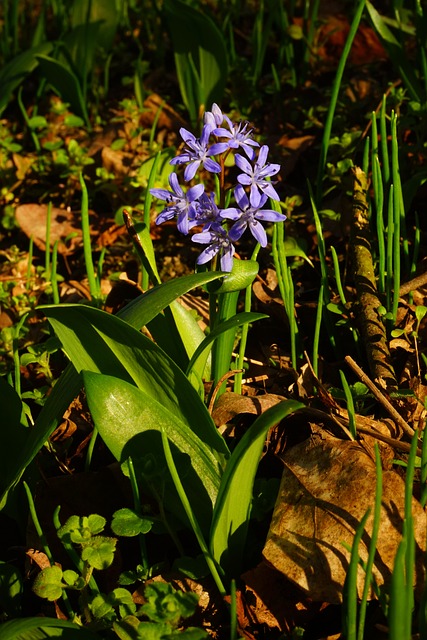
point(197, 208)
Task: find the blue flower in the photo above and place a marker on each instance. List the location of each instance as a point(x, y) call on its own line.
point(196, 153)
point(237, 135)
point(207, 211)
point(218, 242)
point(181, 205)
point(248, 216)
point(255, 176)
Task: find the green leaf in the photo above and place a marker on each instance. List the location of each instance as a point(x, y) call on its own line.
point(138, 313)
point(41, 628)
point(141, 417)
point(128, 523)
point(148, 305)
point(241, 276)
point(48, 583)
point(163, 603)
point(102, 12)
point(99, 342)
point(397, 54)
point(80, 529)
point(191, 333)
point(71, 578)
point(232, 508)
point(200, 56)
point(14, 72)
point(99, 552)
point(11, 588)
point(291, 247)
point(65, 82)
point(153, 630)
point(197, 362)
point(191, 633)
point(100, 606)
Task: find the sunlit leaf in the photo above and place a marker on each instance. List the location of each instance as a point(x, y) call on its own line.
point(130, 421)
point(232, 509)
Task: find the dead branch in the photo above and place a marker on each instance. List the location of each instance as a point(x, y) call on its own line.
point(371, 324)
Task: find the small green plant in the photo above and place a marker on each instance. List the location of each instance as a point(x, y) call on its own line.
point(161, 615)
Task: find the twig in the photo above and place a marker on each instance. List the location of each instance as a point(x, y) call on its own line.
point(414, 284)
point(380, 397)
point(371, 324)
point(214, 392)
point(396, 444)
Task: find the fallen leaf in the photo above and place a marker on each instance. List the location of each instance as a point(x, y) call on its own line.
point(168, 118)
point(32, 219)
point(327, 486)
point(230, 405)
point(40, 558)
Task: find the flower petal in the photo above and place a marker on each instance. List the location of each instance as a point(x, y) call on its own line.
point(258, 232)
point(227, 259)
point(269, 215)
point(243, 164)
point(211, 165)
point(190, 170)
point(217, 148)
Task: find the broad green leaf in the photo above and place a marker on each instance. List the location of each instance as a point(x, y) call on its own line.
point(65, 82)
point(241, 276)
point(137, 313)
point(141, 417)
point(142, 310)
point(11, 588)
point(80, 45)
point(40, 628)
point(104, 12)
point(191, 333)
point(232, 508)
point(100, 342)
point(200, 56)
point(198, 359)
point(14, 72)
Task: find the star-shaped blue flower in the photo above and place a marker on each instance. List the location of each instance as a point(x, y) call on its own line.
point(238, 135)
point(196, 152)
point(218, 242)
point(179, 205)
point(256, 175)
point(248, 215)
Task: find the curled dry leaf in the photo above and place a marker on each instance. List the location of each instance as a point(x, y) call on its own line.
point(32, 219)
point(327, 486)
point(230, 405)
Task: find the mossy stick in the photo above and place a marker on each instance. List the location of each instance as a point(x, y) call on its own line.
point(370, 322)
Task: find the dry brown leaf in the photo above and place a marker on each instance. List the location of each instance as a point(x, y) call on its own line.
point(230, 405)
point(327, 486)
point(32, 219)
point(168, 118)
point(117, 162)
point(40, 558)
point(22, 164)
point(295, 147)
point(270, 599)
